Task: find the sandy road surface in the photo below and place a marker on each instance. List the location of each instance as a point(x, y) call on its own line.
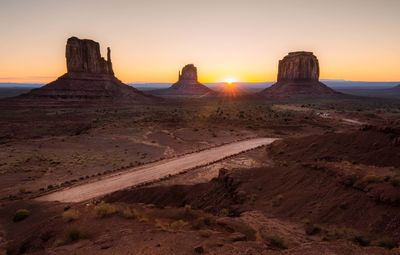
point(151, 172)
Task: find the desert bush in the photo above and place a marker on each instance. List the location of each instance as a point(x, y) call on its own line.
point(202, 222)
point(334, 233)
point(275, 241)
point(350, 180)
point(71, 215)
point(73, 235)
point(224, 212)
point(104, 210)
point(361, 240)
point(205, 233)
point(373, 179)
point(129, 213)
point(387, 243)
point(21, 214)
point(312, 229)
point(395, 182)
point(178, 224)
point(343, 205)
point(277, 201)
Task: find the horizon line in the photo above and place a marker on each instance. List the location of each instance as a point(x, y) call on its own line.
point(238, 82)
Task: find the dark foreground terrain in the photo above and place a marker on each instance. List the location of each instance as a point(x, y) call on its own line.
point(331, 185)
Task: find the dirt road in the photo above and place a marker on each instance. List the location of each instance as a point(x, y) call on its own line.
point(151, 172)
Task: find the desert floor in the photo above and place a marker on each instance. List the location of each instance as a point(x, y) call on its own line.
point(330, 184)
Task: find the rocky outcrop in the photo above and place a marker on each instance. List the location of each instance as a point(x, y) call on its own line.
point(187, 85)
point(298, 76)
point(83, 56)
point(188, 75)
point(299, 66)
point(89, 76)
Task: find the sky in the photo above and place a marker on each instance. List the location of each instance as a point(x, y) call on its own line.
point(239, 40)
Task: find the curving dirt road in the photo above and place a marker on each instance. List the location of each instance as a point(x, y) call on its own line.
point(151, 172)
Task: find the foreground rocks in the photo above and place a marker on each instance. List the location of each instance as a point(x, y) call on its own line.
point(187, 85)
point(298, 76)
point(89, 76)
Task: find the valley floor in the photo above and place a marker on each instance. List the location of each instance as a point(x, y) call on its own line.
point(329, 186)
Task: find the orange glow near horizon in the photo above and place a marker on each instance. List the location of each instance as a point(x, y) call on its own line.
point(230, 90)
point(152, 40)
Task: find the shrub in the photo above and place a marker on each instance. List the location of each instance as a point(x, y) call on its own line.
point(361, 240)
point(71, 215)
point(104, 210)
point(178, 224)
point(129, 213)
point(199, 223)
point(335, 232)
point(205, 233)
point(21, 215)
point(373, 179)
point(387, 243)
point(224, 212)
point(277, 201)
point(312, 229)
point(395, 182)
point(274, 241)
point(277, 242)
point(73, 235)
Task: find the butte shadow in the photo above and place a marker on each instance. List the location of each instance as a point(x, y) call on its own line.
point(89, 77)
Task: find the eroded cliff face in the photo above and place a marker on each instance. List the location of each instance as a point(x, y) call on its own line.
point(83, 56)
point(299, 66)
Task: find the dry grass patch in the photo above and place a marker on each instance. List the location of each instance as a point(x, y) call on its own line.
point(21, 214)
point(104, 210)
point(71, 215)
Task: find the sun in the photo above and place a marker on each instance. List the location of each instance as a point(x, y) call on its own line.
point(230, 80)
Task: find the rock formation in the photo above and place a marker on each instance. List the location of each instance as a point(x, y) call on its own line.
point(298, 75)
point(89, 76)
point(298, 66)
point(83, 56)
point(187, 85)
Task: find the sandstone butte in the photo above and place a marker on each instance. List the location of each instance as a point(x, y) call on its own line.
point(89, 76)
point(187, 85)
point(298, 76)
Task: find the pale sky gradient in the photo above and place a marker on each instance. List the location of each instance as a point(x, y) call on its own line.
point(244, 39)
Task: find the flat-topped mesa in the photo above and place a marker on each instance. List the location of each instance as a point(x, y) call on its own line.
point(188, 75)
point(298, 76)
point(299, 66)
point(83, 56)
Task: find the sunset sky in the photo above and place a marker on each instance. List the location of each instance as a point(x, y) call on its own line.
point(226, 39)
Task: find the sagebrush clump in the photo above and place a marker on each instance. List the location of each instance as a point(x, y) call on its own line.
point(21, 215)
